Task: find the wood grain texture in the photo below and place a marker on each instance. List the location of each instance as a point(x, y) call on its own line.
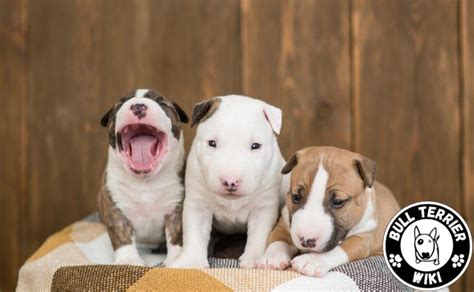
point(66, 161)
point(13, 137)
point(467, 60)
point(296, 56)
point(406, 96)
point(189, 50)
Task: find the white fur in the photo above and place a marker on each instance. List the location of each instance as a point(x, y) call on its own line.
point(368, 222)
point(145, 200)
point(141, 92)
point(173, 252)
point(128, 255)
point(318, 264)
point(277, 256)
point(312, 221)
point(238, 122)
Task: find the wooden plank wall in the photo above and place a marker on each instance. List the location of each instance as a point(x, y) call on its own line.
point(13, 137)
point(390, 79)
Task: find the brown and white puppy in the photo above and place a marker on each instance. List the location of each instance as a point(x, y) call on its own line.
point(335, 212)
point(141, 198)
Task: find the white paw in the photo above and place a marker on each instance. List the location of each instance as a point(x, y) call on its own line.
point(128, 255)
point(314, 265)
point(249, 260)
point(172, 256)
point(134, 260)
point(186, 262)
point(274, 261)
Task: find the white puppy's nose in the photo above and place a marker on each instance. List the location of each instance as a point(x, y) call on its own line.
point(230, 184)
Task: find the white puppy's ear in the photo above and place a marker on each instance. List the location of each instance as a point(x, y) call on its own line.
point(203, 110)
point(274, 117)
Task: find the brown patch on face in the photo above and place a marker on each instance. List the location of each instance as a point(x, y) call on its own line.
point(119, 228)
point(171, 109)
point(108, 120)
point(280, 233)
point(174, 226)
point(174, 112)
point(204, 110)
point(345, 183)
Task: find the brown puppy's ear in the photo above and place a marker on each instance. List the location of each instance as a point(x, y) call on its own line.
point(104, 121)
point(367, 169)
point(290, 164)
point(203, 110)
point(183, 117)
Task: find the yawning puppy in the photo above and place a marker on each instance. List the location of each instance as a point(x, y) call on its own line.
point(233, 178)
point(335, 212)
point(142, 193)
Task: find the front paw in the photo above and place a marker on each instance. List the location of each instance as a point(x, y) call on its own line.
point(314, 265)
point(130, 259)
point(274, 261)
point(249, 260)
point(186, 262)
point(171, 256)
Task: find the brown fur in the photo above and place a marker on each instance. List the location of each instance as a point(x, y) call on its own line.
point(174, 226)
point(120, 229)
point(204, 110)
point(349, 174)
point(280, 233)
point(171, 109)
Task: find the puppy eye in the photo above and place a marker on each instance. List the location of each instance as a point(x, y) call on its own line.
point(212, 143)
point(255, 146)
point(296, 198)
point(337, 203)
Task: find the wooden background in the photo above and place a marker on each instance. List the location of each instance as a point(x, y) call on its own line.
point(390, 79)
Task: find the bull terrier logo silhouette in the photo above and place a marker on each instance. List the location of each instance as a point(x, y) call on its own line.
point(426, 246)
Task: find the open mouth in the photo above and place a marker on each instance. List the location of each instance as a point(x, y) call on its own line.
point(143, 146)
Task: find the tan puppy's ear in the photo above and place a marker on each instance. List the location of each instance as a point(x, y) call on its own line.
point(367, 169)
point(290, 164)
point(203, 110)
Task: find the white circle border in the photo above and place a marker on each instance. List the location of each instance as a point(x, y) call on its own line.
point(401, 212)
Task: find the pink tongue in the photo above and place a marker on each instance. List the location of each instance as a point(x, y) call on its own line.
point(142, 147)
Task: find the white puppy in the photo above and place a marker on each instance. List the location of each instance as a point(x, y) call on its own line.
point(233, 179)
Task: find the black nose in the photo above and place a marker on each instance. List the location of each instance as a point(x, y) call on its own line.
point(309, 243)
point(227, 184)
point(425, 255)
point(230, 185)
point(139, 109)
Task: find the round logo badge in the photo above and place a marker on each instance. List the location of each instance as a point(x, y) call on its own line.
point(427, 246)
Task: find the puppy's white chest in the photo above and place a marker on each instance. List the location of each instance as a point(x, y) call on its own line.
point(146, 213)
point(146, 209)
point(231, 217)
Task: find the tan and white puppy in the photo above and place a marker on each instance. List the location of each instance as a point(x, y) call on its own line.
point(141, 198)
point(335, 212)
point(233, 177)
